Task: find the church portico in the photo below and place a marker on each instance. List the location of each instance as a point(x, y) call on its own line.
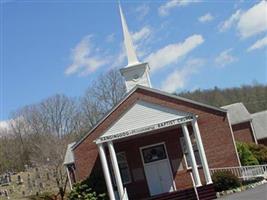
point(153, 159)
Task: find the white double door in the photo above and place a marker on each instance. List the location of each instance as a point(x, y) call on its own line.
point(159, 177)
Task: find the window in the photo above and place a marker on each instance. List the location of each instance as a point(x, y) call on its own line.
point(155, 153)
point(186, 154)
point(124, 168)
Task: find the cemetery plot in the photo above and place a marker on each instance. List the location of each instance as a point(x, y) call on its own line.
point(31, 182)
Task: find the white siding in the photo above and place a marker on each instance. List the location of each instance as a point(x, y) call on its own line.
point(143, 114)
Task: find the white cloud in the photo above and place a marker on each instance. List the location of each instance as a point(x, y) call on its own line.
point(4, 128)
point(83, 60)
point(205, 18)
point(258, 44)
point(110, 38)
point(165, 8)
point(250, 22)
point(253, 21)
point(173, 52)
point(225, 58)
point(142, 11)
point(231, 21)
point(178, 78)
point(142, 34)
point(4, 124)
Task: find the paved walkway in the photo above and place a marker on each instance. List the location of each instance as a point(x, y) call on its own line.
point(258, 193)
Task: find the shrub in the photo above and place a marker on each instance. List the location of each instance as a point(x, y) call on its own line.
point(225, 180)
point(252, 180)
point(92, 188)
point(245, 155)
point(82, 191)
point(259, 151)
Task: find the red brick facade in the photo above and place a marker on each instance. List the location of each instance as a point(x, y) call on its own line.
point(263, 141)
point(243, 132)
point(214, 128)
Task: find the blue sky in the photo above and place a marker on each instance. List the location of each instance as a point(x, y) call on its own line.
point(50, 47)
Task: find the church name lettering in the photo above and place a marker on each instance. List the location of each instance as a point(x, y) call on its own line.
point(146, 129)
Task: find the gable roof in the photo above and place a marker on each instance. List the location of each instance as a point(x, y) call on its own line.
point(69, 157)
point(143, 114)
point(259, 121)
point(156, 91)
point(237, 113)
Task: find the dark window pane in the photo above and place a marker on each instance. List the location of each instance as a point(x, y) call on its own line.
point(153, 154)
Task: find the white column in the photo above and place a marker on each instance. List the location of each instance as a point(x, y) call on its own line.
point(192, 155)
point(201, 150)
point(104, 163)
point(116, 169)
point(68, 173)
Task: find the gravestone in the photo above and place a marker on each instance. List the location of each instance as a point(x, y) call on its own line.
point(48, 176)
point(6, 194)
point(29, 182)
point(9, 177)
point(37, 173)
point(5, 180)
point(19, 180)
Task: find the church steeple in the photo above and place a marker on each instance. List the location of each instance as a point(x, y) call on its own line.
point(135, 73)
point(131, 55)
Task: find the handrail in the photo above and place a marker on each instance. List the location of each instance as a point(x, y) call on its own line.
point(265, 165)
point(194, 185)
point(244, 172)
point(125, 195)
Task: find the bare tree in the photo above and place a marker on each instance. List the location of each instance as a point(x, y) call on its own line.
point(41, 132)
point(101, 96)
point(46, 129)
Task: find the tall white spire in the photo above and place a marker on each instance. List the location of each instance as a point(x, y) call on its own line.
point(131, 55)
point(135, 73)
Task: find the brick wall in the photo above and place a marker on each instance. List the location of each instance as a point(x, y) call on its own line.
point(263, 141)
point(243, 132)
point(214, 127)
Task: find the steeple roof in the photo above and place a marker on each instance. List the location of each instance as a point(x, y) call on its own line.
point(131, 55)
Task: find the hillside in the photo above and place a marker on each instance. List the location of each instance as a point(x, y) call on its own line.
point(253, 96)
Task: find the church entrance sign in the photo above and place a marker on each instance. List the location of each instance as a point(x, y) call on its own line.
point(137, 131)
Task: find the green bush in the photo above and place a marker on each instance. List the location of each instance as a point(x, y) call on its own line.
point(225, 180)
point(259, 151)
point(245, 155)
point(92, 188)
point(82, 191)
point(252, 180)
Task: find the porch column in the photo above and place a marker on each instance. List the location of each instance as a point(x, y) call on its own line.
point(104, 163)
point(68, 174)
point(202, 154)
point(192, 155)
point(116, 169)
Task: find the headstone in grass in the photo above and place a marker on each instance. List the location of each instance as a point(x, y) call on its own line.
point(41, 185)
point(9, 177)
point(48, 176)
point(29, 182)
point(6, 194)
point(19, 180)
point(37, 173)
